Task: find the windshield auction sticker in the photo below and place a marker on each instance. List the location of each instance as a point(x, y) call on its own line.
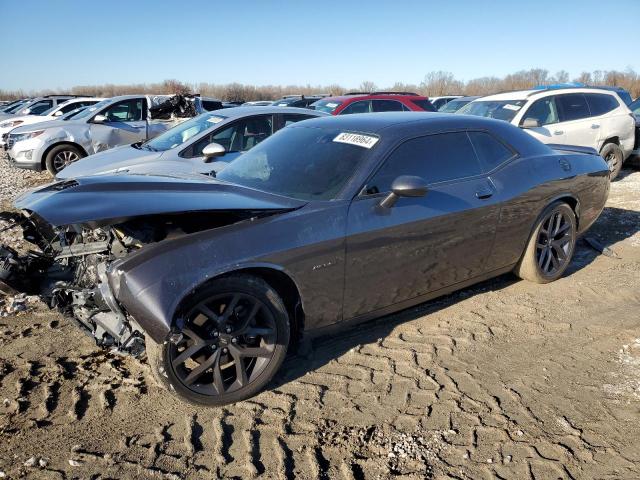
point(357, 139)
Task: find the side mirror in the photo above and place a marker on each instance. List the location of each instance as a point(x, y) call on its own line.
point(530, 123)
point(58, 113)
point(213, 150)
point(26, 111)
point(100, 119)
point(405, 186)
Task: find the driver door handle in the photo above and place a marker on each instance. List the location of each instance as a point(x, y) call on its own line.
point(558, 132)
point(595, 125)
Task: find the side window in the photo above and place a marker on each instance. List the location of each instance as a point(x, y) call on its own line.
point(290, 118)
point(600, 103)
point(572, 106)
point(490, 150)
point(210, 105)
point(544, 111)
point(238, 137)
point(386, 106)
point(357, 107)
point(436, 158)
point(39, 107)
point(425, 105)
point(125, 111)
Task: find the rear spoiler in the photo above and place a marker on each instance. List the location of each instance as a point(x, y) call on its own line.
point(573, 149)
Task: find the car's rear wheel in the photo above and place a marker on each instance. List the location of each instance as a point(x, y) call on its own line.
point(551, 245)
point(234, 339)
point(62, 156)
point(614, 156)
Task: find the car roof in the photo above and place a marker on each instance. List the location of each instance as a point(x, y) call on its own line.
point(427, 122)
point(537, 93)
point(375, 96)
point(247, 110)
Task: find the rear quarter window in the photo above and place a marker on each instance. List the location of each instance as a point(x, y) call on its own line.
point(601, 103)
point(425, 105)
point(491, 151)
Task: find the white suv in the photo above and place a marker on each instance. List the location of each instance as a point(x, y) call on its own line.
point(587, 117)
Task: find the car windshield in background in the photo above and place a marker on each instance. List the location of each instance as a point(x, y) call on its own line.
point(327, 106)
point(15, 108)
point(453, 106)
point(635, 106)
point(301, 162)
point(92, 109)
point(47, 112)
point(179, 134)
point(501, 110)
point(72, 114)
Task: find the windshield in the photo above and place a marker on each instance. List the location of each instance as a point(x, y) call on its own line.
point(500, 109)
point(327, 106)
point(72, 114)
point(17, 107)
point(300, 162)
point(635, 106)
point(92, 109)
point(179, 134)
point(453, 106)
point(49, 111)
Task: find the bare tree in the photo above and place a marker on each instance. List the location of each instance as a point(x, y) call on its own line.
point(368, 86)
point(434, 84)
point(440, 83)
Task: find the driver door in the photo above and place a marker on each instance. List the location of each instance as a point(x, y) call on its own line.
point(545, 112)
point(126, 123)
point(423, 244)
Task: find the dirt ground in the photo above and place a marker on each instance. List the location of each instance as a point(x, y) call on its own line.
point(506, 379)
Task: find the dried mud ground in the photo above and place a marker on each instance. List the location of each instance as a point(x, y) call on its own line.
point(506, 379)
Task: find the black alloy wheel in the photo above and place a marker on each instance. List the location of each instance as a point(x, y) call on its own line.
point(554, 243)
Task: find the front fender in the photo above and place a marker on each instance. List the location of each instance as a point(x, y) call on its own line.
point(308, 245)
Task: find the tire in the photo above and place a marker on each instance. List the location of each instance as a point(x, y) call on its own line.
point(614, 156)
point(545, 261)
point(245, 329)
point(61, 156)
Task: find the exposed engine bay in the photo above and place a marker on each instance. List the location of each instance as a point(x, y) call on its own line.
point(67, 266)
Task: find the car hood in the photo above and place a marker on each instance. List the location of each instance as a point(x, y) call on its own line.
point(109, 199)
point(108, 161)
point(32, 127)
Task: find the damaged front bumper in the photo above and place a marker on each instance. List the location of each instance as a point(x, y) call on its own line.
point(69, 272)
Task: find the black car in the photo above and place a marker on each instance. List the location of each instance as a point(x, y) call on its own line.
point(328, 222)
point(297, 101)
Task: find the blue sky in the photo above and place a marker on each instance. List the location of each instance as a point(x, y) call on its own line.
point(59, 44)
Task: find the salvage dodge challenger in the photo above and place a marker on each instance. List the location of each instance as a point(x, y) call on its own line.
point(328, 222)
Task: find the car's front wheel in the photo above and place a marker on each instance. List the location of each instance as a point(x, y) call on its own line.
point(234, 339)
point(551, 245)
point(62, 156)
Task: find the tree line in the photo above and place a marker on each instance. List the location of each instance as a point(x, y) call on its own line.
point(434, 84)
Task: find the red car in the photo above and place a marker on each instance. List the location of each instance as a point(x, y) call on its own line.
point(374, 102)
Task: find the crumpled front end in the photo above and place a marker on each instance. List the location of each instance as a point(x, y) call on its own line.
point(67, 268)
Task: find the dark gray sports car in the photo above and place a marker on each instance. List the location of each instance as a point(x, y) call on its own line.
point(329, 221)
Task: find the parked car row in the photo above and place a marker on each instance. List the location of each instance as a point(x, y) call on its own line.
point(566, 114)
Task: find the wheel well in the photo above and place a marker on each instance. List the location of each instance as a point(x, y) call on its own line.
point(615, 140)
point(51, 147)
point(285, 288)
point(573, 203)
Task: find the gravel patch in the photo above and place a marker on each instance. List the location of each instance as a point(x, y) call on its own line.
point(14, 181)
